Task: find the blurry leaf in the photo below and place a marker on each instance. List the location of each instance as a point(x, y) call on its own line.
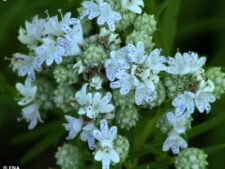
point(157, 164)
point(203, 127)
point(169, 24)
point(8, 17)
point(161, 8)
point(42, 146)
point(36, 133)
point(214, 149)
point(202, 26)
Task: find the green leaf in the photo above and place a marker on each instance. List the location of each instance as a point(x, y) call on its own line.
point(40, 147)
point(203, 127)
point(169, 24)
point(214, 149)
point(36, 133)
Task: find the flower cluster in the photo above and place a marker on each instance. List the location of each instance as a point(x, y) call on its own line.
point(98, 76)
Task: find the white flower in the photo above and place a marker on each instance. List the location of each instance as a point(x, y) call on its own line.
point(87, 135)
point(31, 114)
point(126, 83)
point(27, 91)
point(33, 31)
point(144, 94)
point(188, 100)
point(93, 104)
point(174, 142)
point(185, 63)
point(136, 53)
point(49, 52)
point(155, 62)
point(105, 136)
point(72, 39)
point(117, 65)
point(103, 11)
point(202, 100)
point(184, 102)
point(179, 123)
point(133, 5)
point(25, 65)
point(96, 82)
point(73, 126)
point(79, 67)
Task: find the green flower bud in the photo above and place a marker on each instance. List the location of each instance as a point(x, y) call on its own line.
point(160, 96)
point(173, 89)
point(145, 23)
point(94, 55)
point(123, 101)
point(68, 157)
point(64, 97)
point(44, 96)
point(191, 158)
point(218, 78)
point(65, 74)
point(121, 145)
point(127, 117)
point(163, 124)
point(136, 36)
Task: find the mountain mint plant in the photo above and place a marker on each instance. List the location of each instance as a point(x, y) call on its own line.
point(98, 74)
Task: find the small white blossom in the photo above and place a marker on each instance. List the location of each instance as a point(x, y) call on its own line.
point(185, 63)
point(133, 5)
point(103, 11)
point(87, 135)
point(202, 100)
point(105, 136)
point(25, 65)
point(174, 142)
point(144, 94)
point(33, 31)
point(79, 67)
point(179, 123)
point(31, 114)
point(27, 91)
point(96, 82)
point(156, 62)
point(73, 126)
point(49, 52)
point(184, 102)
point(117, 65)
point(93, 104)
point(188, 100)
point(72, 39)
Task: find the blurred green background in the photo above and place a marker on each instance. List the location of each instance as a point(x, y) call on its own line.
point(185, 25)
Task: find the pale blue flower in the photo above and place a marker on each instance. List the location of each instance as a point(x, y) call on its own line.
point(133, 5)
point(73, 126)
point(32, 115)
point(27, 91)
point(179, 123)
point(106, 154)
point(25, 65)
point(103, 11)
point(174, 142)
point(33, 32)
point(77, 125)
point(93, 103)
point(187, 63)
